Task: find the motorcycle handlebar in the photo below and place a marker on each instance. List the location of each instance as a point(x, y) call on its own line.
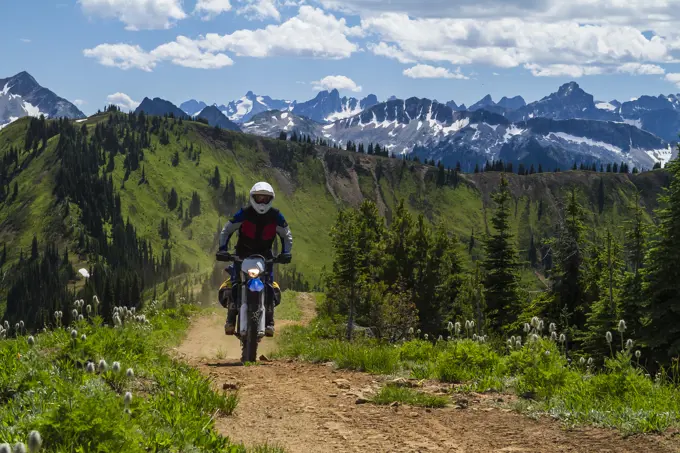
point(226, 256)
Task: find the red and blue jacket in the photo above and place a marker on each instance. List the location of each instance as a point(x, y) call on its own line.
point(257, 232)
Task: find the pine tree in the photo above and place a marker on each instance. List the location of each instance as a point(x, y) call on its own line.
point(632, 301)
point(662, 285)
point(600, 196)
point(172, 199)
point(501, 264)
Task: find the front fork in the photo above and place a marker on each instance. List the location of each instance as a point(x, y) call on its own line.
point(255, 300)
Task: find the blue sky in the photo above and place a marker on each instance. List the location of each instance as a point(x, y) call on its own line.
point(88, 50)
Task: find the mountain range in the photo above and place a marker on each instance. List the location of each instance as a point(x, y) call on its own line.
point(564, 127)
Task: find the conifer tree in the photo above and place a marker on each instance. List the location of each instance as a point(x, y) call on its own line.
point(632, 298)
point(662, 285)
point(501, 265)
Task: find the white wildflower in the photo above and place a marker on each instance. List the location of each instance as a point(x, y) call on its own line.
point(127, 399)
point(129, 373)
point(95, 300)
point(410, 331)
point(608, 337)
point(80, 317)
point(449, 327)
point(425, 336)
point(527, 327)
point(74, 334)
point(590, 361)
point(547, 352)
point(534, 321)
point(88, 309)
point(582, 361)
point(440, 338)
point(638, 354)
point(103, 366)
point(552, 327)
point(629, 344)
point(19, 447)
point(90, 367)
point(563, 338)
point(622, 326)
point(115, 367)
point(5, 448)
point(31, 340)
point(83, 337)
point(74, 313)
point(553, 336)
point(34, 441)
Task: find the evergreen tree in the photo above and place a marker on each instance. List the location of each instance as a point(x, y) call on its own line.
point(600, 196)
point(662, 285)
point(632, 301)
point(172, 199)
point(501, 265)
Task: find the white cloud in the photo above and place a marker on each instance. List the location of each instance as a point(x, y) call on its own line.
point(79, 102)
point(212, 8)
point(496, 74)
point(123, 56)
point(338, 82)
point(260, 9)
point(182, 52)
point(312, 33)
point(673, 77)
point(123, 101)
point(137, 14)
point(424, 71)
point(26, 40)
point(385, 50)
point(641, 69)
point(185, 52)
point(560, 70)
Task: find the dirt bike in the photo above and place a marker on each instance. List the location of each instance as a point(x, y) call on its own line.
point(251, 292)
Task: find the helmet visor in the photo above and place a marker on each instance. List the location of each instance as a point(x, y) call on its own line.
point(262, 199)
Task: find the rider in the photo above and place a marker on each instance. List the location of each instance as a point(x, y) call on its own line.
point(258, 225)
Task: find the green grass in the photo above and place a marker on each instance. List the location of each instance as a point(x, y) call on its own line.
point(404, 395)
point(620, 395)
point(47, 387)
point(289, 308)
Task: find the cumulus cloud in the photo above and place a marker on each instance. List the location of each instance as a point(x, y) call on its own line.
point(122, 100)
point(338, 82)
point(260, 9)
point(312, 33)
point(424, 71)
point(123, 56)
point(211, 8)
point(79, 102)
point(182, 52)
point(137, 14)
point(673, 77)
point(641, 69)
point(571, 70)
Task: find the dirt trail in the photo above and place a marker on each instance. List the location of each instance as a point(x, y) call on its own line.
point(300, 407)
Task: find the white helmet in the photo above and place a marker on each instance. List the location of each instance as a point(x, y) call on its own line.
point(262, 188)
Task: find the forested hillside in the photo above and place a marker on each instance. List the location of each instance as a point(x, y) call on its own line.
point(139, 200)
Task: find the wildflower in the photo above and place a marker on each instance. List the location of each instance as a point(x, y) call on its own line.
point(608, 337)
point(472, 324)
point(622, 326)
point(80, 317)
point(103, 366)
point(6, 325)
point(582, 361)
point(534, 321)
point(547, 352)
point(449, 327)
point(129, 373)
point(553, 336)
point(418, 332)
point(34, 441)
point(74, 313)
point(638, 354)
point(510, 342)
point(88, 309)
point(590, 361)
point(31, 340)
point(74, 334)
point(83, 337)
point(19, 447)
point(410, 331)
point(457, 327)
point(4, 448)
point(95, 300)
point(448, 338)
point(534, 337)
point(440, 338)
point(425, 336)
point(629, 344)
point(21, 325)
point(552, 327)
point(127, 399)
point(527, 327)
point(116, 367)
point(518, 342)
point(563, 338)
point(474, 336)
point(539, 325)
point(16, 327)
point(90, 367)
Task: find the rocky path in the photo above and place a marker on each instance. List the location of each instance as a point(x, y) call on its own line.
point(309, 408)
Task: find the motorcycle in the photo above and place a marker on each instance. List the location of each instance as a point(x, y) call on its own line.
point(251, 284)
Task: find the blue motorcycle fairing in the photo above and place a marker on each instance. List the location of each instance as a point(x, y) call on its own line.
point(255, 285)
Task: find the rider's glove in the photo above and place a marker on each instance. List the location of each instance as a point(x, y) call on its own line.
point(284, 258)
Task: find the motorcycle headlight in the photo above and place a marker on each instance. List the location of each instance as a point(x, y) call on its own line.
point(252, 273)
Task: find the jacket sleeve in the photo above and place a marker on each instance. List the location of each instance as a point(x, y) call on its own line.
point(284, 233)
point(230, 228)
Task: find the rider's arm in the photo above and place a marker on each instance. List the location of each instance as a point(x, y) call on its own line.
point(230, 228)
point(284, 233)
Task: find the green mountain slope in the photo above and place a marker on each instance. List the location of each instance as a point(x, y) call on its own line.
point(312, 184)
